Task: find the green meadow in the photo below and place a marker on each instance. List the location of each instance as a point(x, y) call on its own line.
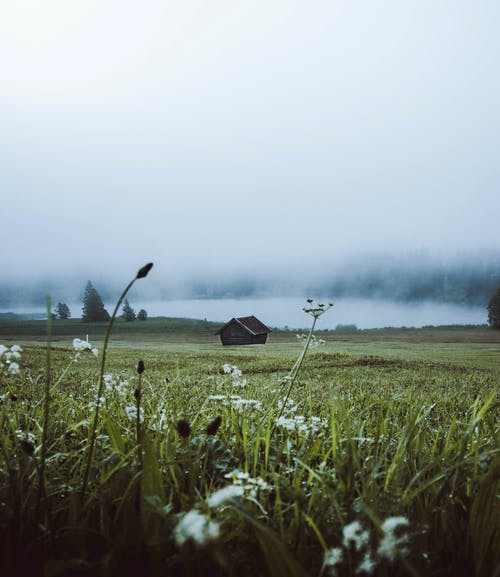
point(374, 453)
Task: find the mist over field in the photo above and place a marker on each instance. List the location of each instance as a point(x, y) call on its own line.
point(409, 289)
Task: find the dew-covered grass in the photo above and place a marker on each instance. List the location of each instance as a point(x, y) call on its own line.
point(368, 463)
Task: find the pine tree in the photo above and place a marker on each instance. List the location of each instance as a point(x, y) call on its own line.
point(494, 310)
point(142, 315)
point(93, 308)
point(128, 313)
point(62, 311)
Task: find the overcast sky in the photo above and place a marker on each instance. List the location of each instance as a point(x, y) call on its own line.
point(233, 134)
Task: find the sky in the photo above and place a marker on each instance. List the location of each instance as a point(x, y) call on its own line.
point(231, 136)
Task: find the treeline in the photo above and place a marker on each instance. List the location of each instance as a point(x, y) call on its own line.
point(467, 285)
point(93, 309)
point(390, 279)
point(402, 279)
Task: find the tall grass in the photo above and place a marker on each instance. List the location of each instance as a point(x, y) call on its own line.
point(364, 466)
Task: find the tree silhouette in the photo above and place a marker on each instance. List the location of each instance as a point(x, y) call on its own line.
point(142, 315)
point(93, 308)
point(128, 313)
point(494, 310)
point(62, 311)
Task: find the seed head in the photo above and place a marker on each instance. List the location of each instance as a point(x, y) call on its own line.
point(28, 447)
point(214, 425)
point(140, 367)
point(183, 428)
point(137, 393)
point(144, 270)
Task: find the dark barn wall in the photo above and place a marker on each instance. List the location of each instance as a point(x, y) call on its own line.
point(234, 334)
point(259, 339)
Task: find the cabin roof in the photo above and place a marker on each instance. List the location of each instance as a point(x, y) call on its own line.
point(251, 324)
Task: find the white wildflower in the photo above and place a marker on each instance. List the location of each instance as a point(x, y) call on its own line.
point(300, 424)
point(217, 397)
point(225, 494)
point(367, 565)
point(196, 527)
point(332, 558)
point(250, 485)
point(240, 383)
point(80, 346)
point(25, 436)
point(13, 368)
point(131, 412)
point(288, 407)
point(354, 533)
point(392, 545)
point(8, 358)
point(240, 403)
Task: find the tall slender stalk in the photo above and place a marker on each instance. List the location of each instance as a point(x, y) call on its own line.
point(315, 312)
point(138, 394)
point(46, 407)
point(141, 274)
point(296, 368)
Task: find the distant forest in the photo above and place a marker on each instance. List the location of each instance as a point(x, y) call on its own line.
point(473, 285)
point(401, 280)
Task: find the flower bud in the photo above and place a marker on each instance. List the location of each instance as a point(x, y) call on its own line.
point(183, 428)
point(214, 425)
point(144, 270)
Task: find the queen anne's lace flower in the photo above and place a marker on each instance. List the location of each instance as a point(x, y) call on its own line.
point(196, 527)
point(9, 358)
point(332, 558)
point(392, 545)
point(225, 494)
point(355, 534)
point(80, 346)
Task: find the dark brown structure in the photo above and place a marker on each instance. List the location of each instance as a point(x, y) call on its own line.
point(244, 331)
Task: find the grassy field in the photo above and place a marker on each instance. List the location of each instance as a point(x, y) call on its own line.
point(380, 456)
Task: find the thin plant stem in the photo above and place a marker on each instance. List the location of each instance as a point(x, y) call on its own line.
point(292, 375)
point(141, 274)
point(46, 408)
point(296, 368)
point(315, 312)
point(138, 394)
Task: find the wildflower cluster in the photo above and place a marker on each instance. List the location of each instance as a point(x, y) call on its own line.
point(81, 346)
point(358, 540)
point(290, 421)
point(243, 486)
point(196, 527)
point(117, 385)
point(314, 341)
point(9, 358)
point(131, 413)
point(236, 373)
point(250, 485)
point(237, 402)
point(301, 424)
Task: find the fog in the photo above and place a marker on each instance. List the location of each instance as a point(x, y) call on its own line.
point(283, 146)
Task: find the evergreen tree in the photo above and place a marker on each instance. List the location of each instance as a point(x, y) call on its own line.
point(494, 310)
point(62, 311)
point(142, 315)
point(128, 313)
point(93, 308)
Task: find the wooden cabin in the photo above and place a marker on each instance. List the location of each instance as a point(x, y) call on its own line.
point(244, 331)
